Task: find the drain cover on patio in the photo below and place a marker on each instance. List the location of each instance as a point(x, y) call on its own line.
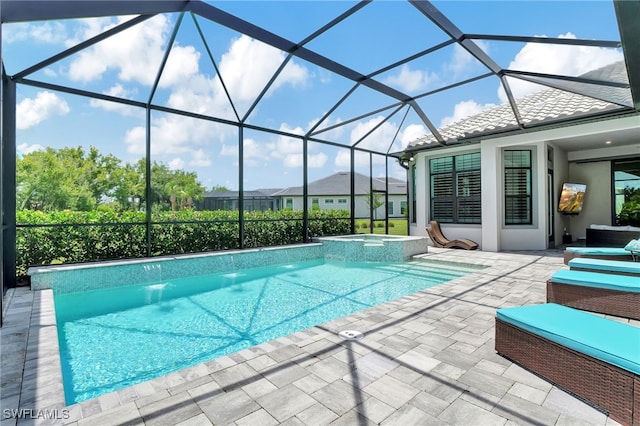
point(351, 335)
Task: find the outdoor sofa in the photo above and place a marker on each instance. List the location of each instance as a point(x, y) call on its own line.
point(611, 294)
point(610, 236)
point(592, 357)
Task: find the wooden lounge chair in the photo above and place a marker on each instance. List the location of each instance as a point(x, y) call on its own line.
point(611, 294)
point(594, 358)
point(439, 240)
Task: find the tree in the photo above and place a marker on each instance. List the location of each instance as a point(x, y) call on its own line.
point(73, 179)
point(375, 200)
point(66, 178)
point(220, 188)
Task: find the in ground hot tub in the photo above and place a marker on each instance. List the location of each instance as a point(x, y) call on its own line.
point(372, 247)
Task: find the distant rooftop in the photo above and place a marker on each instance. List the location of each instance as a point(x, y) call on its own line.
point(335, 184)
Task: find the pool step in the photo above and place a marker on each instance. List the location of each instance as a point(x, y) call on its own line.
point(373, 244)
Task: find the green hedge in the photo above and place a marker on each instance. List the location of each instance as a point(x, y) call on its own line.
point(105, 235)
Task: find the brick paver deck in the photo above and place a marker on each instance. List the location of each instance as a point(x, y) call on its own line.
point(426, 359)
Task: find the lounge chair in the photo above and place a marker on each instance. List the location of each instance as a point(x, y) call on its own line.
point(439, 240)
point(605, 253)
point(611, 294)
point(605, 266)
point(594, 358)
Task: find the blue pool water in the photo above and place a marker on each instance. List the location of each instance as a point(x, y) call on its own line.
point(114, 338)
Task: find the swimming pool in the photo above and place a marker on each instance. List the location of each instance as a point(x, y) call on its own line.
point(116, 337)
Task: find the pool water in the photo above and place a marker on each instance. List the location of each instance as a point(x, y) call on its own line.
point(115, 338)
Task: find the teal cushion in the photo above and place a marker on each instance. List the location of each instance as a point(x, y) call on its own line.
point(607, 340)
point(633, 245)
point(605, 265)
point(602, 251)
point(594, 279)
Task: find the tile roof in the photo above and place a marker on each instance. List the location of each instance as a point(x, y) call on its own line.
point(340, 184)
point(335, 184)
point(543, 106)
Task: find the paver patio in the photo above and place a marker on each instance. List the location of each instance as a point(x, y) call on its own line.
point(427, 358)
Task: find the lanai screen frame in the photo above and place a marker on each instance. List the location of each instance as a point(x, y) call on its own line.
point(37, 10)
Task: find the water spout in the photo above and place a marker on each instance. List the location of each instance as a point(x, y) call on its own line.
point(153, 293)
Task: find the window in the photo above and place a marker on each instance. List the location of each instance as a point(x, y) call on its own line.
point(517, 188)
point(289, 203)
point(455, 189)
point(342, 201)
point(626, 187)
point(390, 208)
point(315, 204)
point(328, 200)
point(413, 194)
point(403, 208)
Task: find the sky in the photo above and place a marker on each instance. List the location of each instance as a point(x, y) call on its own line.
point(129, 64)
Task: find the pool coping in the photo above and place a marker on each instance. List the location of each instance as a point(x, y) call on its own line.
point(42, 355)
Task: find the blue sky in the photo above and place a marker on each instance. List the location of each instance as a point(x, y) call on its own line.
point(381, 33)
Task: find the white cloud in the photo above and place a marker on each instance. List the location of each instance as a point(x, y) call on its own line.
point(464, 109)
point(25, 148)
point(181, 65)
point(411, 133)
point(378, 141)
point(229, 150)
point(30, 112)
point(200, 158)
point(117, 91)
point(193, 91)
point(176, 164)
point(246, 82)
point(556, 59)
point(48, 32)
point(315, 161)
point(462, 61)
point(135, 53)
point(409, 80)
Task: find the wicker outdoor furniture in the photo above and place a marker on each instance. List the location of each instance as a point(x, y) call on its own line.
point(594, 358)
point(605, 253)
point(616, 267)
point(617, 295)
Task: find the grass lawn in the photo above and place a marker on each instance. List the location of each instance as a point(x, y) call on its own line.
point(396, 227)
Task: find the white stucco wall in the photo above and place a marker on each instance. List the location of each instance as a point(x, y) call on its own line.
point(568, 166)
point(362, 208)
point(597, 200)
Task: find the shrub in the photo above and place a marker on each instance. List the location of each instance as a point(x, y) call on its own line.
point(109, 234)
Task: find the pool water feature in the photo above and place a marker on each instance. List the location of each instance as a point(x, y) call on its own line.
point(113, 338)
point(373, 247)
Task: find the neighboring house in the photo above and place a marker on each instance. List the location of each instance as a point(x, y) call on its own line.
point(333, 193)
point(501, 187)
point(329, 193)
point(260, 199)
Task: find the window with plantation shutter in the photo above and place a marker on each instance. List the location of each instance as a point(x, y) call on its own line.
point(455, 189)
point(517, 188)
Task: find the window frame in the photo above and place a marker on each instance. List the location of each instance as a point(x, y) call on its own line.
point(529, 188)
point(615, 167)
point(455, 198)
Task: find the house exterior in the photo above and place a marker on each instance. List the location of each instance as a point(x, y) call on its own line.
point(333, 193)
point(329, 193)
point(501, 187)
point(258, 200)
